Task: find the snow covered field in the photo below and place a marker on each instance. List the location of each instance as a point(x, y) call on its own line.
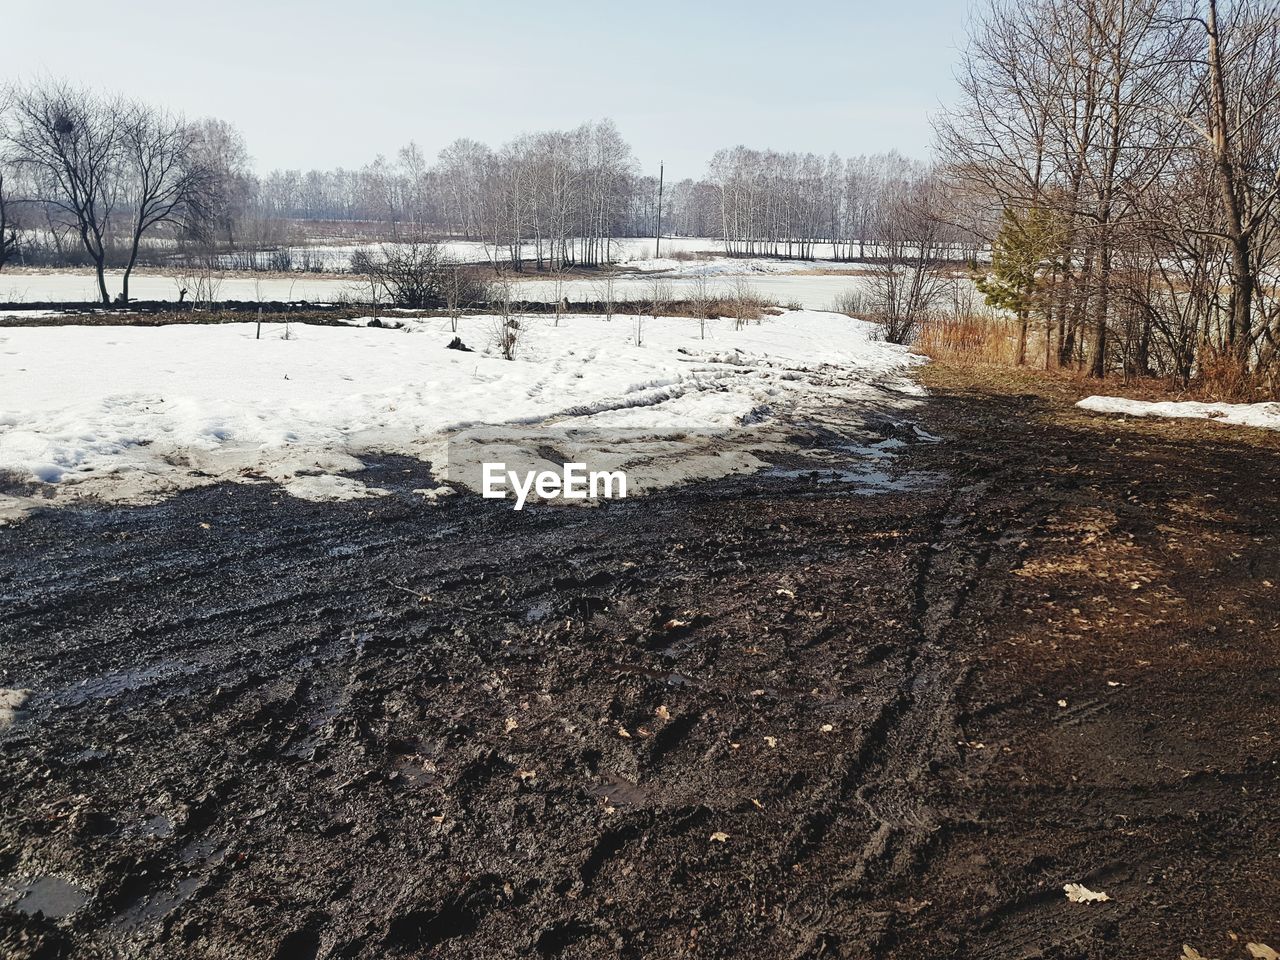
point(811, 291)
point(77, 286)
point(1263, 415)
point(130, 414)
point(806, 282)
point(336, 257)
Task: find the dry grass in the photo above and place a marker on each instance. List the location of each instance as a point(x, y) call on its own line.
point(981, 341)
point(1063, 388)
point(968, 340)
point(1221, 377)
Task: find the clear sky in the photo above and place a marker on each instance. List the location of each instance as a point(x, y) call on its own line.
point(317, 83)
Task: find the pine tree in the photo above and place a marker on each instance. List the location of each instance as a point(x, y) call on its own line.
point(1021, 257)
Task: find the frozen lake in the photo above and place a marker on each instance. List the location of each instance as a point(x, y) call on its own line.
point(810, 291)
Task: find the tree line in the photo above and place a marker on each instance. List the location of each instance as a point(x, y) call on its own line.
point(1126, 155)
point(94, 175)
point(88, 178)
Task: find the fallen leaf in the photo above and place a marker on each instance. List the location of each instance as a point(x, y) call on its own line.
point(787, 593)
point(720, 837)
point(674, 624)
point(511, 724)
point(1260, 951)
point(757, 804)
point(662, 713)
point(771, 741)
point(1079, 893)
point(623, 732)
point(526, 776)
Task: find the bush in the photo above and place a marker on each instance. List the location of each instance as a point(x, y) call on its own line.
point(408, 274)
point(850, 302)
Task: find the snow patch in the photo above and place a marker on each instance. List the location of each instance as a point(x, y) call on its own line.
point(134, 414)
point(1263, 415)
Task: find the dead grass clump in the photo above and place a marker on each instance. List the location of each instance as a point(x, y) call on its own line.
point(1220, 376)
point(967, 339)
point(754, 309)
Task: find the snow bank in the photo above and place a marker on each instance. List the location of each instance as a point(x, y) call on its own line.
point(1263, 415)
point(130, 414)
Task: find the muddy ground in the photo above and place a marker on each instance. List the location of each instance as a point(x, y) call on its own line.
point(771, 718)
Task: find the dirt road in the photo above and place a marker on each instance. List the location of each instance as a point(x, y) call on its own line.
point(773, 718)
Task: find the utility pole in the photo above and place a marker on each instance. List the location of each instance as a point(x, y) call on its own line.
point(657, 240)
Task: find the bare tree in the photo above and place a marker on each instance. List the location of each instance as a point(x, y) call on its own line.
point(906, 283)
point(605, 293)
point(8, 212)
point(657, 297)
point(69, 141)
point(745, 301)
point(1239, 100)
point(453, 294)
point(165, 183)
point(409, 274)
point(221, 153)
point(700, 296)
point(508, 331)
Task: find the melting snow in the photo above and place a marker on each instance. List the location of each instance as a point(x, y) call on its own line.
point(131, 414)
point(1264, 415)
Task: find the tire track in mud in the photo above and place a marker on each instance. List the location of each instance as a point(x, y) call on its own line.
point(379, 730)
point(312, 687)
point(916, 728)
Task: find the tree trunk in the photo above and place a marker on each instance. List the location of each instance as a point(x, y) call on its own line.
point(1098, 363)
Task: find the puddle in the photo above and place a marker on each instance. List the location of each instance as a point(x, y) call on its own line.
point(157, 826)
point(200, 850)
point(866, 481)
point(153, 907)
point(112, 684)
point(51, 896)
point(414, 771)
point(867, 467)
point(621, 793)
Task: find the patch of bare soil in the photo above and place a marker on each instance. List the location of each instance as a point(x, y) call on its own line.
point(780, 717)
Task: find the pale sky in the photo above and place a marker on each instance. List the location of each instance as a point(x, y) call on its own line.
point(317, 83)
